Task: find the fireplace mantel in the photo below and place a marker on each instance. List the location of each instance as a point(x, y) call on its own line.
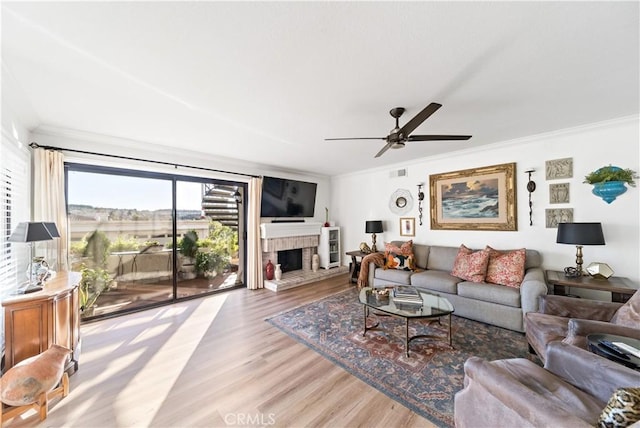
point(285, 230)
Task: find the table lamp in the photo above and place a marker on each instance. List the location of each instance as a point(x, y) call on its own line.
point(579, 234)
point(373, 227)
point(32, 232)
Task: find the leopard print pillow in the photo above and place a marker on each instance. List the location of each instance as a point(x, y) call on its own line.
point(622, 410)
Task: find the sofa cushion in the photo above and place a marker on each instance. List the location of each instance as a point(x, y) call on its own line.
point(492, 293)
point(506, 267)
point(442, 258)
point(532, 259)
point(399, 257)
point(435, 280)
point(470, 265)
point(394, 275)
point(421, 255)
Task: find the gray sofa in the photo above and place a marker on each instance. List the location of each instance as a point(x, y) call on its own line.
point(490, 303)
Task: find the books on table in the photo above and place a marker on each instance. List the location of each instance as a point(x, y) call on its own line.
point(406, 295)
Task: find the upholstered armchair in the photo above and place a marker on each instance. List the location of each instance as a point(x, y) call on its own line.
point(571, 320)
point(571, 390)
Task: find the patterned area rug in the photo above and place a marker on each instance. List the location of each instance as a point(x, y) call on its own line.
point(426, 381)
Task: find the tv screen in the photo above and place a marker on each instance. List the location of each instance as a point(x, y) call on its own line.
point(287, 198)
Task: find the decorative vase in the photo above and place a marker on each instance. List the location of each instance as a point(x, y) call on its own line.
point(278, 273)
point(269, 270)
point(188, 268)
point(609, 190)
point(326, 217)
point(315, 263)
point(23, 383)
point(37, 270)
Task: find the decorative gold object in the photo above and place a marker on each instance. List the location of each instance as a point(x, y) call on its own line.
point(365, 248)
point(599, 270)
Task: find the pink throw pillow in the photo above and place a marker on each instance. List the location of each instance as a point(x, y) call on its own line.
point(470, 265)
point(506, 267)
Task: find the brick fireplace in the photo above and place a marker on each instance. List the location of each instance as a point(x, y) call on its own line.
point(289, 236)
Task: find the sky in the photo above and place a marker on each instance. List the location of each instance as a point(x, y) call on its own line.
point(116, 191)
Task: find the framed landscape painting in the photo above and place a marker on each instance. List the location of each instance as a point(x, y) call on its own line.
point(474, 199)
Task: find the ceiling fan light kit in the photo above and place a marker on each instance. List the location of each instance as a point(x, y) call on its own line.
point(400, 135)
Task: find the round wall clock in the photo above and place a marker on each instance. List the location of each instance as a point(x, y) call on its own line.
point(401, 202)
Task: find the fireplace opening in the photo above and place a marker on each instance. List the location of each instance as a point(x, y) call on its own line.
point(290, 260)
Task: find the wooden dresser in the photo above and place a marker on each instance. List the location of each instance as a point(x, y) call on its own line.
point(35, 321)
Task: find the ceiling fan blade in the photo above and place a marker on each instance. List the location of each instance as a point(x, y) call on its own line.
point(384, 149)
point(437, 137)
point(356, 138)
point(419, 118)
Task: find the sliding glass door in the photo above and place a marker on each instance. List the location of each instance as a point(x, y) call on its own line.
point(207, 229)
point(145, 239)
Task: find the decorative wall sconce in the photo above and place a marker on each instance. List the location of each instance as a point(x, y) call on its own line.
point(531, 187)
point(420, 199)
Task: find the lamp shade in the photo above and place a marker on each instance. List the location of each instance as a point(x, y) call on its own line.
point(53, 230)
point(373, 226)
point(31, 232)
point(580, 234)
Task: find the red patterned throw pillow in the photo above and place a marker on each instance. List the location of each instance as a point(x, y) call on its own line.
point(399, 257)
point(506, 267)
point(470, 265)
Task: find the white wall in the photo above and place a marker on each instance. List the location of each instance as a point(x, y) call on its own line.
point(365, 196)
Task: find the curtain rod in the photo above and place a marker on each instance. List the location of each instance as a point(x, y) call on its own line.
point(35, 145)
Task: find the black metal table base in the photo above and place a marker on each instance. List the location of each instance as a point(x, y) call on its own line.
point(408, 338)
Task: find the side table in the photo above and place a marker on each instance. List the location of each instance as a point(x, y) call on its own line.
point(621, 288)
point(354, 266)
point(594, 342)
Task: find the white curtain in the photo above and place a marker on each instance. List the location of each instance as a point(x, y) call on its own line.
point(49, 204)
point(254, 244)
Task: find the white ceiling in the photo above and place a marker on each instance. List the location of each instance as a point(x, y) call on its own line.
point(266, 82)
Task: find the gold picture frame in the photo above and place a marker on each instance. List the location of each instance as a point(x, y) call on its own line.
point(475, 199)
point(407, 226)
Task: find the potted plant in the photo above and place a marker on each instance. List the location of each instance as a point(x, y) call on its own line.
point(609, 181)
point(210, 263)
point(94, 281)
point(188, 248)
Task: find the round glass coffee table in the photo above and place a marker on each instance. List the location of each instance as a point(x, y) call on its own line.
point(433, 307)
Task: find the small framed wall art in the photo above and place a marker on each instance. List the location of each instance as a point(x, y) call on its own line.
point(407, 226)
point(559, 193)
point(559, 168)
point(558, 215)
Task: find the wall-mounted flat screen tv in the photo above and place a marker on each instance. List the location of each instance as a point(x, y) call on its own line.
point(287, 198)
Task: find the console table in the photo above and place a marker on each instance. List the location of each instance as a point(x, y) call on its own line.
point(621, 288)
point(35, 321)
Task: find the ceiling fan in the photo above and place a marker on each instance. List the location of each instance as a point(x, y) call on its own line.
point(399, 136)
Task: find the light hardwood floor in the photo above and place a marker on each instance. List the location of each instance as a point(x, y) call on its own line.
point(215, 362)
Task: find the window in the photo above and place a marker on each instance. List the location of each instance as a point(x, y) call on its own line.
point(14, 208)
